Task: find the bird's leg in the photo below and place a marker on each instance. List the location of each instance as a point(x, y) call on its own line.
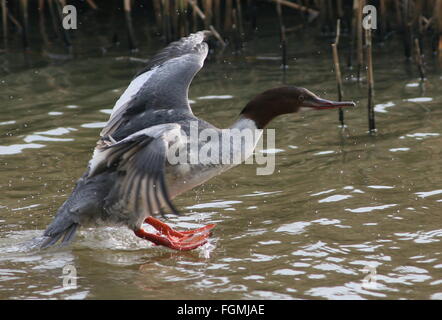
point(178, 240)
point(165, 229)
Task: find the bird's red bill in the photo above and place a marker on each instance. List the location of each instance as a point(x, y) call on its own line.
point(319, 103)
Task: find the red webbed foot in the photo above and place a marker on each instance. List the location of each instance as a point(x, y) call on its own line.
point(177, 240)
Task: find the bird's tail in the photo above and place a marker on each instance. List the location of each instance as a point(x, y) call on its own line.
point(84, 205)
point(66, 235)
point(63, 228)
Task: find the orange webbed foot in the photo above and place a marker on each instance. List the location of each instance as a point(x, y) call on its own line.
point(177, 240)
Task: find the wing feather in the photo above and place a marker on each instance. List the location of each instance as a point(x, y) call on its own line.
point(141, 160)
point(163, 83)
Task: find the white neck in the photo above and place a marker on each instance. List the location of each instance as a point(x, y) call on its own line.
point(247, 128)
point(244, 123)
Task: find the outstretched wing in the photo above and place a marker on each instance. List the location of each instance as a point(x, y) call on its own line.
point(141, 160)
point(164, 82)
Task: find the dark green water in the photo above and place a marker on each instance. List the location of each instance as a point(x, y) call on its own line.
point(338, 203)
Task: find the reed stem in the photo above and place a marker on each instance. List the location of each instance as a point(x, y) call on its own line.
point(129, 25)
point(359, 35)
point(296, 6)
point(406, 26)
point(228, 15)
point(92, 4)
point(370, 82)
point(240, 22)
point(198, 12)
point(283, 41)
point(5, 23)
point(338, 70)
point(419, 59)
point(64, 33)
point(25, 23)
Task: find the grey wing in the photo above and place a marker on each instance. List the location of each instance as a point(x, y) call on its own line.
point(141, 160)
point(165, 81)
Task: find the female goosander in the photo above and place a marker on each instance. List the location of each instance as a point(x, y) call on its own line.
point(129, 178)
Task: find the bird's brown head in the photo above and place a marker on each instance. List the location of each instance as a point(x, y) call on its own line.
point(274, 102)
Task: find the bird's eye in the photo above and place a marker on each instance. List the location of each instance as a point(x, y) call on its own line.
point(301, 98)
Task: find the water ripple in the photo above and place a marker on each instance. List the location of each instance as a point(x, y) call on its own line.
point(370, 209)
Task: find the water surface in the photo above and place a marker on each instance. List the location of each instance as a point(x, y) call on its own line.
point(339, 204)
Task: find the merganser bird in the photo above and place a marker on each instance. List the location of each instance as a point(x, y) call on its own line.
point(129, 180)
